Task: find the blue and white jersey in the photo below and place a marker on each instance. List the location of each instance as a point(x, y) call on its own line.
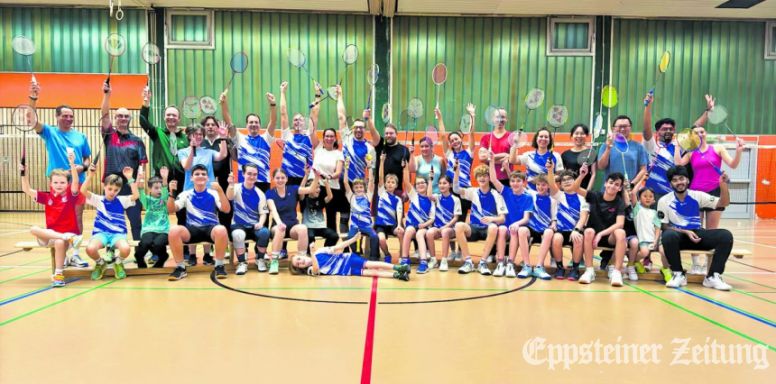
point(517, 205)
point(483, 204)
point(389, 208)
point(249, 204)
point(360, 211)
point(545, 210)
point(685, 214)
point(570, 207)
point(447, 207)
point(536, 164)
point(664, 160)
point(343, 264)
point(254, 150)
point(421, 209)
point(110, 213)
point(297, 153)
point(356, 151)
point(464, 162)
point(201, 207)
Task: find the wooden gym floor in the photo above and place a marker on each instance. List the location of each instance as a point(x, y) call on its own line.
point(438, 328)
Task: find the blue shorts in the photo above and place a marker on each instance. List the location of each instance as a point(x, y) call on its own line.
point(354, 266)
point(109, 240)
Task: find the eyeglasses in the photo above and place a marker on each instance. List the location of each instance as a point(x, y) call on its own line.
point(622, 126)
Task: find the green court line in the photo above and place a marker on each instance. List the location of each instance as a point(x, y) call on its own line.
point(23, 276)
point(754, 296)
point(60, 301)
point(749, 281)
point(698, 315)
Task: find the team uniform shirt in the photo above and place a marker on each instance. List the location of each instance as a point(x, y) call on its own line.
point(389, 208)
point(421, 209)
point(60, 210)
point(122, 150)
point(570, 207)
point(464, 158)
point(312, 211)
point(57, 143)
point(603, 214)
point(518, 205)
point(536, 164)
point(446, 208)
point(646, 220)
point(545, 210)
point(297, 153)
point(254, 150)
point(685, 214)
point(249, 204)
point(664, 159)
point(483, 204)
point(356, 151)
point(360, 210)
point(286, 205)
point(202, 156)
point(343, 264)
point(164, 150)
point(498, 145)
point(110, 214)
point(156, 218)
point(201, 207)
point(635, 158)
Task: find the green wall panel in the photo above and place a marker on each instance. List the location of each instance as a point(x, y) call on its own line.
point(724, 58)
point(490, 61)
point(266, 39)
point(71, 39)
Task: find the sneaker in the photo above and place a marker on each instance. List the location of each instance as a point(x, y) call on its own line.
point(99, 271)
point(273, 266)
point(191, 261)
point(678, 279)
point(221, 271)
point(177, 274)
point(525, 272)
point(403, 276)
point(443, 265)
point(153, 259)
point(483, 269)
point(616, 279)
point(455, 255)
point(714, 281)
point(242, 268)
point(76, 261)
point(500, 269)
point(118, 270)
point(423, 267)
point(403, 268)
point(640, 268)
point(75, 241)
point(587, 277)
point(467, 267)
point(388, 260)
point(404, 261)
point(559, 274)
point(283, 254)
point(261, 265)
point(490, 259)
point(432, 262)
point(647, 263)
point(539, 272)
point(632, 273)
point(511, 270)
point(109, 256)
point(666, 274)
point(697, 269)
point(208, 260)
point(573, 275)
point(609, 269)
point(58, 280)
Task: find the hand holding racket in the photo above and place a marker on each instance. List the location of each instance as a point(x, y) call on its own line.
point(238, 63)
point(151, 56)
point(115, 45)
point(662, 66)
point(372, 74)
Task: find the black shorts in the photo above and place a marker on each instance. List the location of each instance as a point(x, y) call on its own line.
point(200, 234)
point(535, 237)
point(566, 237)
point(385, 229)
point(715, 192)
point(478, 233)
point(286, 235)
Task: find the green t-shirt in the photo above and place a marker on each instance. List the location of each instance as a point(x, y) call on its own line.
point(156, 217)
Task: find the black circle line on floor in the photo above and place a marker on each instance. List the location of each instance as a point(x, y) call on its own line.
point(220, 284)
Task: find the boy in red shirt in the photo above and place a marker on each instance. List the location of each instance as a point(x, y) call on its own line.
point(61, 229)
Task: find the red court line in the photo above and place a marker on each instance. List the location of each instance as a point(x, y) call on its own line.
point(366, 365)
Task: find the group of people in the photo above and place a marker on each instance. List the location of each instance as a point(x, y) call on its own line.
point(649, 201)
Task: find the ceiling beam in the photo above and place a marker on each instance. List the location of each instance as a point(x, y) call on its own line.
point(389, 8)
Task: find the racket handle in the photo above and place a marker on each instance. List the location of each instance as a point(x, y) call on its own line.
point(651, 93)
point(34, 80)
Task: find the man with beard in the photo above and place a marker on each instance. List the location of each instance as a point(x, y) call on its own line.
point(298, 140)
point(680, 214)
point(395, 154)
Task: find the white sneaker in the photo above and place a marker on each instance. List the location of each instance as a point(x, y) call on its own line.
point(677, 280)
point(697, 269)
point(616, 278)
point(511, 270)
point(242, 268)
point(443, 265)
point(261, 265)
point(609, 269)
point(588, 276)
point(483, 269)
point(490, 259)
point(467, 267)
point(525, 272)
point(716, 282)
point(632, 275)
point(455, 255)
point(500, 270)
point(76, 261)
point(432, 261)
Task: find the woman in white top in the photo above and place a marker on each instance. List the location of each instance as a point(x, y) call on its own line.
point(328, 160)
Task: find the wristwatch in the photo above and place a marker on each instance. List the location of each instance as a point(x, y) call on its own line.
point(577, 230)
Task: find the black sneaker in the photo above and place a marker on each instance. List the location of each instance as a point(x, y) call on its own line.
point(402, 268)
point(220, 272)
point(559, 273)
point(208, 260)
point(573, 275)
point(403, 276)
point(177, 274)
point(191, 261)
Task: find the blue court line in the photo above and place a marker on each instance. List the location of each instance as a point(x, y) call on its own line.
point(728, 307)
point(35, 292)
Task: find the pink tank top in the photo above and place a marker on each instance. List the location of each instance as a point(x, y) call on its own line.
point(705, 178)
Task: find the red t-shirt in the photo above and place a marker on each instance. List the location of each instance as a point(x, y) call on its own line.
point(498, 145)
point(60, 210)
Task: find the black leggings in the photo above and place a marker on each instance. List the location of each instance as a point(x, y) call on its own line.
point(157, 244)
point(331, 237)
point(338, 203)
point(720, 240)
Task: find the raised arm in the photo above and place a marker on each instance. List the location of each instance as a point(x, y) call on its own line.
point(374, 136)
point(456, 177)
point(165, 174)
point(222, 151)
point(680, 159)
point(85, 185)
point(225, 206)
point(75, 185)
point(577, 187)
point(172, 187)
point(342, 245)
point(105, 109)
point(494, 176)
point(647, 120)
point(224, 101)
point(406, 182)
point(314, 124)
point(283, 106)
point(329, 195)
point(348, 190)
point(723, 153)
point(273, 115)
point(342, 115)
point(145, 110)
point(26, 182)
point(34, 93)
point(306, 190)
point(381, 172)
point(230, 187)
point(127, 172)
point(701, 121)
point(441, 127)
point(603, 160)
point(724, 192)
point(551, 177)
point(470, 108)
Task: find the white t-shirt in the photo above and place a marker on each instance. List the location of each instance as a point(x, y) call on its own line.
point(646, 221)
point(685, 214)
point(325, 161)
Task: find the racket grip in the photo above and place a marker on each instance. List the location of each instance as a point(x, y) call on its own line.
point(34, 80)
point(651, 93)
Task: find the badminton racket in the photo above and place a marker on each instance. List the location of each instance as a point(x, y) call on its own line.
point(665, 59)
point(238, 63)
point(24, 119)
point(349, 56)
point(534, 99)
point(415, 111)
point(621, 145)
point(372, 74)
point(490, 116)
point(151, 55)
point(556, 117)
point(432, 133)
point(191, 108)
point(465, 126)
point(24, 46)
point(689, 141)
point(588, 156)
point(207, 105)
point(298, 59)
point(386, 112)
point(115, 45)
point(718, 116)
point(439, 76)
